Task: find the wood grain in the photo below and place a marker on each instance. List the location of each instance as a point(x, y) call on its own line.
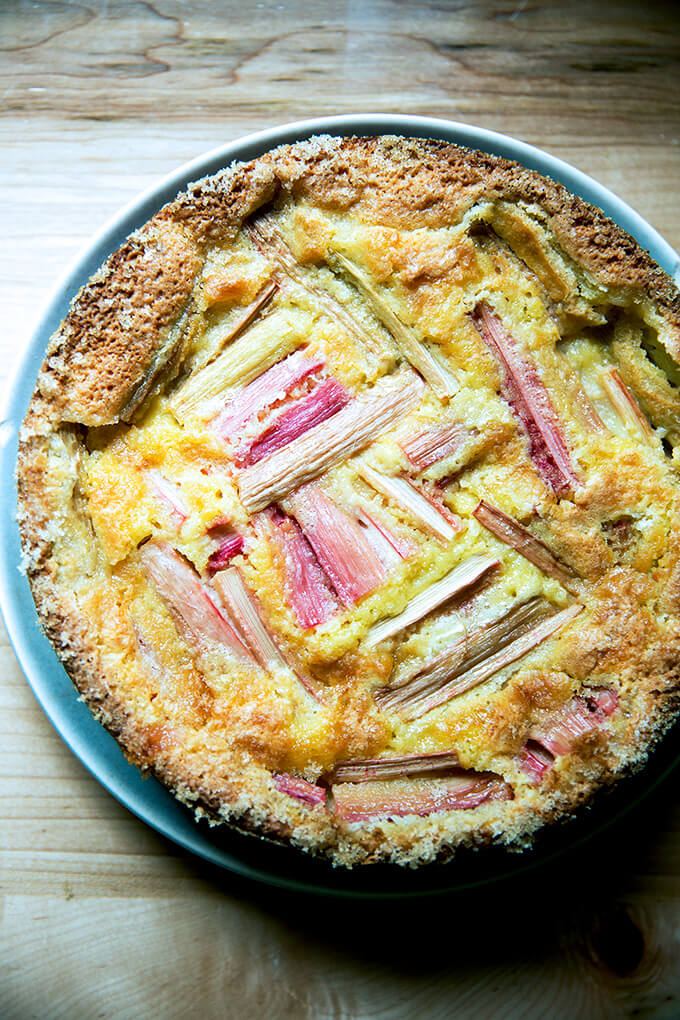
point(100, 916)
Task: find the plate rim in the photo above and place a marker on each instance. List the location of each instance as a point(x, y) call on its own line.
point(95, 748)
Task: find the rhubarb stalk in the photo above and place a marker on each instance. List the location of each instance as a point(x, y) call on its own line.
point(198, 618)
point(434, 444)
point(436, 685)
point(243, 609)
point(440, 378)
point(265, 391)
point(523, 542)
point(410, 499)
point(308, 588)
point(461, 577)
point(626, 406)
point(337, 539)
point(525, 392)
point(355, 802)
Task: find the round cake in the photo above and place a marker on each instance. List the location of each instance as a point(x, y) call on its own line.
point(348, 494)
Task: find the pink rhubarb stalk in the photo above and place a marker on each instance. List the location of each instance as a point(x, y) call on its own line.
point(560, 731)
point(434, 444)
point(197, 616)
point(308, 588)
point(169, 496)
point(339, 543)
point(299, 789)
point(355, 802)
point(226, 550)
point(322, 403)
point(265, 391)
point(389, 549)
point(526, 393)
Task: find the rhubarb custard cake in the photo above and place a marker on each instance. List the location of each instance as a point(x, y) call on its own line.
point(348, 494)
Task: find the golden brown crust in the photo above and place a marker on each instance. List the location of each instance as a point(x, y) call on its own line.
point(123, 335)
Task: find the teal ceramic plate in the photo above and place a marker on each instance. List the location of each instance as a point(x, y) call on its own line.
point(244, 855)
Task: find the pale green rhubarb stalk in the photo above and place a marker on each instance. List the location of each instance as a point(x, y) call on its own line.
point(395, 767)
point(512, 533)
point(626, 406)
point(268, 240)
point(439, 377)
point(362, 421)
point(461, 577)
point(247, 357)
point(409, 498)
point(475, 659)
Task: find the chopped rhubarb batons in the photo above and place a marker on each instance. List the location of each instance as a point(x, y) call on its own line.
point(525, 391)
point(396, 798)
point(339, 542)
point(245, 611)
point(229, 547)
point(436, 373)
point(414, 502)
point(469, 663)
point(264, 392)
point(324, 401)
point(267, 239)
point(197, 616)
point(308, 589)
point(434, 444)
point(359, 423)
point(388, 547)
point(169, 496)
point(461, 577)
point(243, 359)
point(299, 789)
point(522, 541)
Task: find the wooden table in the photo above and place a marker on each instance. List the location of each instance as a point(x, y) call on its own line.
point(103, 918)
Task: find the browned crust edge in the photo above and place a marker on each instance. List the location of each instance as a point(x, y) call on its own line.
point(331, 171)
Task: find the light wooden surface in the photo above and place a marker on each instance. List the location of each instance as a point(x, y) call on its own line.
point(99, 916)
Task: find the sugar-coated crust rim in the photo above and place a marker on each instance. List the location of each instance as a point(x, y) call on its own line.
point(441, 179)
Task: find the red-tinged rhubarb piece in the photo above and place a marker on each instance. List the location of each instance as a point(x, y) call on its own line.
point(324, 401)
point(265, 391)
point(340, 545)
point(225, 552)
point(408, 693)
point(244, 610)
point(308, 588)
point(299, 789)
point(394, 767)
point(525, 391)
point(461, 577)
point(364, 419)
point(535, 761)
point(415, 503)
point(626, 406)
point(396, 798)
point(522, 541)
point(490, 665)
point(434, 444)
point(560, 731)
point(389, 548)
point(199, 619)
point(169, 496)
point(435, 372)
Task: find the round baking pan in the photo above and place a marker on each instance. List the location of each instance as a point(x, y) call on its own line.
point(248, 856)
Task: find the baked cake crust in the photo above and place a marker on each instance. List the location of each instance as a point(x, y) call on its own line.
point(130, 334)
